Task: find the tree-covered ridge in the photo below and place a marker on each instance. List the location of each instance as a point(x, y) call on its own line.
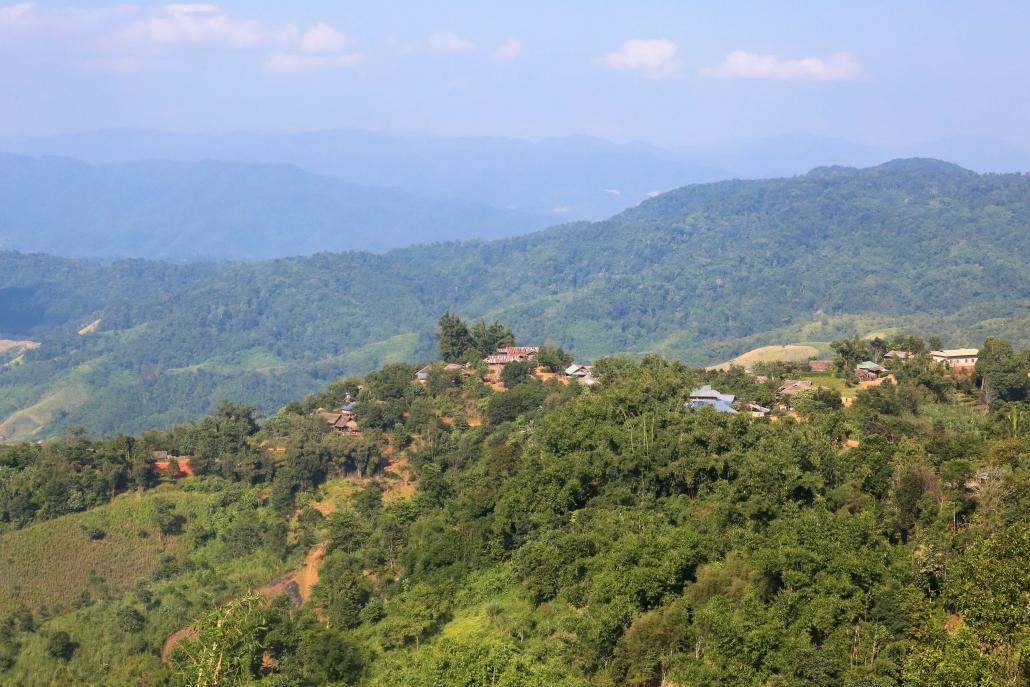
point(559, 534)
point(702, 273)
point(221, 211)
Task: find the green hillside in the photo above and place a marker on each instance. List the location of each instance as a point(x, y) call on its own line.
point(703, 273)
point(547, 534)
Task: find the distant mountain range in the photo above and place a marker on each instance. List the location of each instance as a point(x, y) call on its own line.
point(703, 273)
point(222, 210)
point(797, 153)
point(570, 178)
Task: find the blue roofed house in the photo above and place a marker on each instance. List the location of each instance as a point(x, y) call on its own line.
point(707, 396)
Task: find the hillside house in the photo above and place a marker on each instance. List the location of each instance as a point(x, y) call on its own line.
point(707, 393)
point(707, 396)
point(757, 410)
point(820, 365)
point(496, 363)
point(509, 354)
point(897, 355)
point(423, 374)
point(790, 388)
point(501, 359)
point(519, 352)
point(793, 386)
point(342, 422)
point(581, 373)
point(868, 370)
point(956, 358)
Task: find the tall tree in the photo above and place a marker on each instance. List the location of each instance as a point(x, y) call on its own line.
point(1002, 372)
point(487, 338)
point(850, 352)
point(454, 338)
point(554, 359)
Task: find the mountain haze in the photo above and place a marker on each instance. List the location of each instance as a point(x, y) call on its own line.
point(221, 210)
point(576, 177)
point(703, 273)
point(570, 178)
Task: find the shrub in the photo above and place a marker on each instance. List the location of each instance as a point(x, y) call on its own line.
point(517, 372)
point(61, 646)
point(130, 620)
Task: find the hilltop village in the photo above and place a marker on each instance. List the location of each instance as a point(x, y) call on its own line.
point(767, 389)
point(843, 375)
point(452, 518)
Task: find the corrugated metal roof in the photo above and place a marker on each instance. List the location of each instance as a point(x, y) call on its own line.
point(956, 352)
point(707, 391)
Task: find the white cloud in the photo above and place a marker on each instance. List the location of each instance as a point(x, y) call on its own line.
point(562, 210)
point(31, 18)
point(508, 50)
point(613, 192)
point(129, 38)
point(450, 42)
point(321, 48)
point(653, 194)
point(655, 58)
point(747, 65)
point(205, 25)
point(302, 63)
point(322, 38)
point(18, 16)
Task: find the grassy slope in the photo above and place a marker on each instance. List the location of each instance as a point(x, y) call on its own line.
point(48, 565)
point(768, 354)
point(56, 562)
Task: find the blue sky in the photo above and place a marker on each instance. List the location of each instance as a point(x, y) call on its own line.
point(666, 72)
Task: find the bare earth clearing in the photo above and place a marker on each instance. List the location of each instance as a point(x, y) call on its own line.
point(90, 328)
point(768, 354)
point(25, 345)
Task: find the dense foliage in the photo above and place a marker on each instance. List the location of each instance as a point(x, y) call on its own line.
point(565, 535)
point(701, 273)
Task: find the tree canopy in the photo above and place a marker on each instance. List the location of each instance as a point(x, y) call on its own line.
point(548, 533)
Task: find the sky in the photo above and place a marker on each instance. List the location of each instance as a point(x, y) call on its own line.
point(670, 73)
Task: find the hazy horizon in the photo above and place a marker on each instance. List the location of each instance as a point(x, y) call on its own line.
point(554, 137)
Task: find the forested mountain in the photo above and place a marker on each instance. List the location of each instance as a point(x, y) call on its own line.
point(569, 178)
point(703, 273)
point(216, 210)
point(577, 177)
point(537, 534)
